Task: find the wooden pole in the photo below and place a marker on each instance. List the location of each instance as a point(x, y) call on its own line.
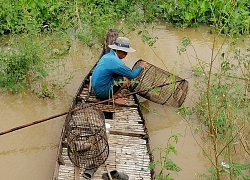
point(108, 172)
point(32, 123)
point(65, 113)
point(77, 173)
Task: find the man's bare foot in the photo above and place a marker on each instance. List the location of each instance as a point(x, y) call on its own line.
point(120, 101)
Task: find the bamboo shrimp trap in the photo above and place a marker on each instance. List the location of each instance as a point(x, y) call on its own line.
point(160, 86)
point(86, 137)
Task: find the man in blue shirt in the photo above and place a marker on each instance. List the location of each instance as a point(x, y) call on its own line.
point(111, 69)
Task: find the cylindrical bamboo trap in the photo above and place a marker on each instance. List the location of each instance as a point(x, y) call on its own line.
point(160, 86)
point(86, 137)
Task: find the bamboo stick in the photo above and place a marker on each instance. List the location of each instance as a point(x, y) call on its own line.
point(128, 133)
point(75, 109)
point(77, 173)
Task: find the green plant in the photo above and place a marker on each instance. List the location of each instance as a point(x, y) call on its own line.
point(165, 162)
point(30, 16)
point(222, 109)
point(229, 17)
point(29, 61)
point(91, 18)
point(146, 38)
point(37, 22)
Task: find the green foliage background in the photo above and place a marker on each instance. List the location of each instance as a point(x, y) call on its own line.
point(229, 17)
point(94, 16)
point(40, 34)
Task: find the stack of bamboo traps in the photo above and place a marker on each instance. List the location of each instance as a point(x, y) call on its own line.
point(128, 145)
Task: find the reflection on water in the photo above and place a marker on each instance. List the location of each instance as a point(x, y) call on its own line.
point(30, 153)
point(26, 151)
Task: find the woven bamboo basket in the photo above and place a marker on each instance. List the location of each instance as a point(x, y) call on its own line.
point(160, 86)
point(86, 137)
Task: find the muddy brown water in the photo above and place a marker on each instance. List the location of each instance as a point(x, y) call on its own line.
point(30, 153)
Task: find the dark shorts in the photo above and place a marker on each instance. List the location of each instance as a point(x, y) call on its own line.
point(118, 86)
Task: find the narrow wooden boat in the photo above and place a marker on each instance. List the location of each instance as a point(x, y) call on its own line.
point(128, 142)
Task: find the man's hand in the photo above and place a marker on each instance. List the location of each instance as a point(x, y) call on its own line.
point(144, 64)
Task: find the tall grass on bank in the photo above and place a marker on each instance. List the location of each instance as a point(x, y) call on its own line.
point(27, 61)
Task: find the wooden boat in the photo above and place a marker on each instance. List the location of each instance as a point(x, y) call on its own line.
point(127, 138)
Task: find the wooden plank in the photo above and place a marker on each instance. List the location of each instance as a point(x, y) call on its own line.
point(129, 133)
point(77, 173)
point(60, 160)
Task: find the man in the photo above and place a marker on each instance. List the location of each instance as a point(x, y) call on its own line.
point(111, 75)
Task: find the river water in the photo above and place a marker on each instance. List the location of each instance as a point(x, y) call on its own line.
point(30, 153)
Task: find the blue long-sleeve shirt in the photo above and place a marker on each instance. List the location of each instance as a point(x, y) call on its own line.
point(105, 71)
